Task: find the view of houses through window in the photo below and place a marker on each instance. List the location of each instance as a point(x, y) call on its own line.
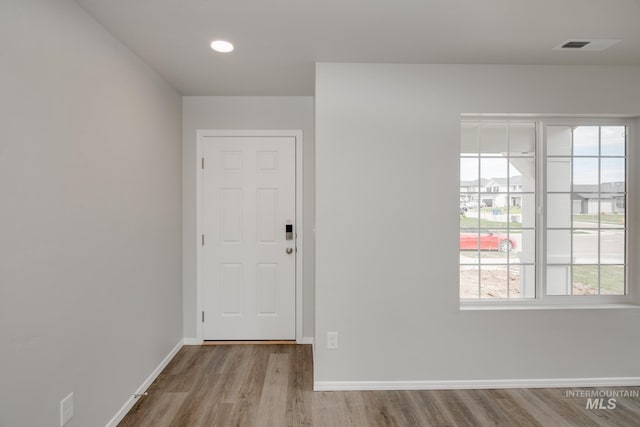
point(497, 210)
point(585, 210)
point(583, 224)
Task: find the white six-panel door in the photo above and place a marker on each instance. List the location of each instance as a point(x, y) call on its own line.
point(248, 271)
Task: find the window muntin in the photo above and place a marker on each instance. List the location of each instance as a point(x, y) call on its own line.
point(583, 194)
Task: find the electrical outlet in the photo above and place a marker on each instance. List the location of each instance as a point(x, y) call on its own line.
point(66, 410)
point(332, 340)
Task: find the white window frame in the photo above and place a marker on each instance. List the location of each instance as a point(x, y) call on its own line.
point(541, 300)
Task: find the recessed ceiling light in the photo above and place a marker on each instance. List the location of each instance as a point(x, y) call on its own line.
point(221, 46)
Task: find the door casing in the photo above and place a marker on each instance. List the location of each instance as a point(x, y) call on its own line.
point(201, 135)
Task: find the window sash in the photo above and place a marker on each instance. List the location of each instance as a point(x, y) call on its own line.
point(544, 218)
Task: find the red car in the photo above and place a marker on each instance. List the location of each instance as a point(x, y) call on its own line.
point(488, 242)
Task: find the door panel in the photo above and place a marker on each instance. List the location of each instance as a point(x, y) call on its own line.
point(231, 280)
point(231, 203)
point(486, 242)
point(267, 213)
point(267, 287)
point(248, 198)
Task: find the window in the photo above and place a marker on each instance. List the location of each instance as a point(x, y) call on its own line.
point(585, 215)
point(542, 210)
point(497, 230)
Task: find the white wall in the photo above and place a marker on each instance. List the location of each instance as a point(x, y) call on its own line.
point(231, 112)
point(387, 146)
point(90, 219)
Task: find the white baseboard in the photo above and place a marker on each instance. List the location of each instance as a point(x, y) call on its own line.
point(196, 341)
point(475, 384)
point(145, 385)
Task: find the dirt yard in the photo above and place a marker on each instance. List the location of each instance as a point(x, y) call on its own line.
point(494, 285)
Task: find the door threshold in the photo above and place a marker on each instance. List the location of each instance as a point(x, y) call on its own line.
point(249, 342)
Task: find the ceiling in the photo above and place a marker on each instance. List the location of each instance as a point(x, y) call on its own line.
point(278, 41)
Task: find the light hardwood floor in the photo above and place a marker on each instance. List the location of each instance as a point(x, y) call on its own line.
point(272, 385)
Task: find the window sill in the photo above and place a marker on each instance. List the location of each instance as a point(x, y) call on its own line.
point(504, 307)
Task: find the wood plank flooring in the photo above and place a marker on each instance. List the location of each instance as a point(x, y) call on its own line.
point(272, 385)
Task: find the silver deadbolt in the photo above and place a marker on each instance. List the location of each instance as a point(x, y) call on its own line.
point(289, 251)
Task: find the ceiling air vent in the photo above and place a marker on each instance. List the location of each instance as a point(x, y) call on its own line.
point(574, 45)
point(586, 44)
